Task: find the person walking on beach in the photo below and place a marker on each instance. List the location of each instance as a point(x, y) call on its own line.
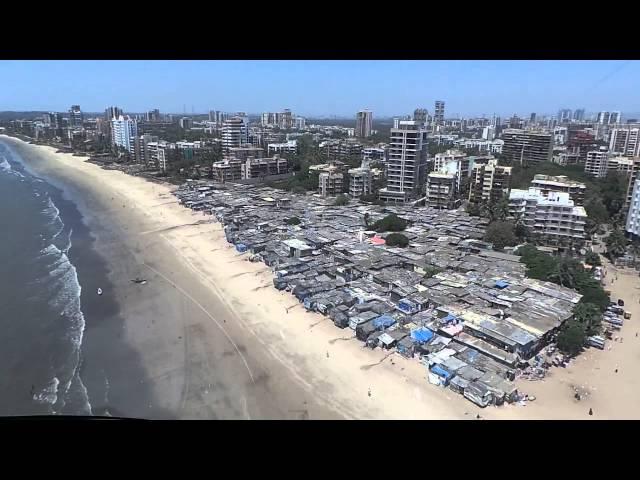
point(591, 411)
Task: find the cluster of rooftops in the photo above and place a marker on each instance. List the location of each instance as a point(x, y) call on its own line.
point(467, 312)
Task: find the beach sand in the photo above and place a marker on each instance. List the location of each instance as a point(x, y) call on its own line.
point(218, 341)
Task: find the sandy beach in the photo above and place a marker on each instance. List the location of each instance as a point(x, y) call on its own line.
point(218, 341)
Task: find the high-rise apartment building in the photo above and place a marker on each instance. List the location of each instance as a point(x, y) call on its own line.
point(235, 133)
point(364, 123)
point(454, 162)
point(527, 147)
point(615, 117)
point(633, 215)
point(438, 114)
point(578, 114)
point(124, 131)
point(407, 162)
point(153, 115)
point(330, 182)
point(75, 116)
point(112, 112)
point(532, 119)
point(489, 182)
point(625, 141)
point(564, 115)
point(186, 123)
point(420, 115)
point(607, 118)
point(597, 164)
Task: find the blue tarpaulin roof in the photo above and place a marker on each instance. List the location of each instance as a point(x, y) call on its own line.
point(384, 321)
point(501, 284)
point(440, 371)
point(421, 335)
point(450, 318)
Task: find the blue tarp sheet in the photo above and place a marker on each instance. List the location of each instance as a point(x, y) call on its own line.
point(440, 372)
point(501, 284)
point(421, 335)
point(450, 318)
point(241, 247)
point(384, 321)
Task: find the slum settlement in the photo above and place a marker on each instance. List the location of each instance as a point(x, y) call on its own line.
point(466, 312)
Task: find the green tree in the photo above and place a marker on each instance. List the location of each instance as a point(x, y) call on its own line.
point(390, 223)
point(589, 316)
point(292, 221)
point(593, 259)
point(430, 271)
point(616, 244)
point(521, 231)
point(500, 234)
point(473, 209)
point(396, 240)
point(571, 338)
point(341, 201)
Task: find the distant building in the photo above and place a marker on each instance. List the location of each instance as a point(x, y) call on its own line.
point(547, 184)
point(420, 115)
point(597, 163)
point(578, 115)
point(124, 131)
point(374, 154)
point(75, 116)
point(112, 112)
point(153, 115)
point(553, 217)
point(489, 132)
point(441, 190)
point(564, 115)
point(142, 152)
point(406, 163)
point(489, 182)
point(186, 123)
point(227, 170)
point(438, 114)
point(244, 152)
point(263, 167)
point(360, 181)
point(607, 118)
point(527, 147)
point(456, 163)
point(532, 119)
point(340, 149)
point(300, 123)
point(364, 124)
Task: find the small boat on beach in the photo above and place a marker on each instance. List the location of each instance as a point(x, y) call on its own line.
point(99, 291)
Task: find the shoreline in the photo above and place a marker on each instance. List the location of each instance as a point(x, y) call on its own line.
point(305, 349)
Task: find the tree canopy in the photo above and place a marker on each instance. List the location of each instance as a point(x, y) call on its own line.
point(341, 200)
point(390, 223)
point(396, 240)
point(616, 243)
point(501, 234)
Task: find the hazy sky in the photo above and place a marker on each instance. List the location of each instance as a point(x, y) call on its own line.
point(322, 87)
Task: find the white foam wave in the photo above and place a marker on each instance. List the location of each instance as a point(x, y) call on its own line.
point(5, 165)
point(52, 212)
point(49, 394)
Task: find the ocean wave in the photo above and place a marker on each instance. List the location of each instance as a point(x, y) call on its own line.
point(52, 213)
point(5, 165)
point(48, 394)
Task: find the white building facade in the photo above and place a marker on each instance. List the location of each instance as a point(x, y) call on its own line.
point(124, 131)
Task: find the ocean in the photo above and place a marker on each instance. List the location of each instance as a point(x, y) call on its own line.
point(49, 276)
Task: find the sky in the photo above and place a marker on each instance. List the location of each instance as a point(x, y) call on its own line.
point(322, 88)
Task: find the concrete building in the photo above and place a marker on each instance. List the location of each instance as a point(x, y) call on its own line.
point(287, 147)
point(407, 162)
point(564, 115)
point(360, 181)
point(331, 182)
point(142, 151)
point(364, 124)
point(227, 170)
point(441, 190)
point(420, 115)
point(112, 112)
point(483, 146)
point(244, 152)
point(153, 115)
point(300, 123)
point(454, 162)
point(186, 123)
point(578, 114)
point(633, 215)
point(625, 141)
point(549, 183)
point(75, 117)
point(263, 167)
point(489, 182)
point(374, 154)
point(124, 131)
point(527, 147)
point(235, 133)
point(438, 114)
point(553, 217)
point(340, 149)
point(489, 133)
point(633, 176)
point(623, 165)
point(597, 164)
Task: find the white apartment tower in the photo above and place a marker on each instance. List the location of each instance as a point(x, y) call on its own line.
point(597, 163)
point(407, 162)
point(124, 131)
point(235, 133)
point(625, 141)
point(364, 123)
point(633, 216)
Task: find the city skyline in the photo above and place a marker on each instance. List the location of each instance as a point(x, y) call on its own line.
point(323, 88)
